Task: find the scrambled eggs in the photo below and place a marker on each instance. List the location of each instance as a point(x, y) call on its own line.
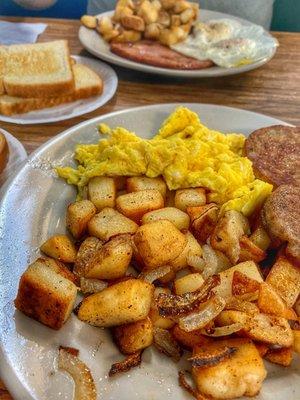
point(185, 152)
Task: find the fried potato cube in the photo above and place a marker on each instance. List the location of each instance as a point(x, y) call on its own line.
point(134, 205)
point(203, 219)
point(239, 375)
point(175, 20)
point(89, 21)
point(158, 243)
point(285, 278)
point(133, 22)
point(179, 218)
point(46, 295)
point(270, 302)
point(248, 268)
point(102, 192)
point(157, 320)
point(108, 261)
point(152, 31)
point(171, 36)
point(59, 267)
point(121, 12)
point(192, 248)
point(249, 251)
point(297, 307)
point(134, 337)
point(189, 339)
point(282, 357)
point(127, 36)
point(296, 345)
point(78, 216)
point(188, 283)
point(119, 304)
point(104, 25)
point(185, 198)
point(243, 284)
point(260, 238)
point(168, 4)
point(60, 247)
point(164, 19)
point(138, 183)
point(109, 222)
point(187, 15)
point(181, 6)
point(148, 11)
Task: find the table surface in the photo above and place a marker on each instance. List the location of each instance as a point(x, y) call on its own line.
point(273, 89)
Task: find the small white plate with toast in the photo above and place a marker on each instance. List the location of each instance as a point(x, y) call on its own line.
point(68, 109)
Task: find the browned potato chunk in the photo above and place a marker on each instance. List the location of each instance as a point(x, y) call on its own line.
point(188, 283)
point(60, 247)
point(108, 261)
point(89, 21)
point(282, 357)
point(138, 183)
point(181, 6)
point(133, 22)
point(121, 12)
point(108, 223)
point(158, 243)
point(296, 346)
point(148, 11)
point(187, 15)
point(134, 205)
point(168, 4)
point(152, 31)
point(185, 198)
point(164, 19)
point(78, 216)
point(192, 248)
point(175, 20)
point(119, 304)
point(134, 337)
point(260, 238)
point(102, 192)
point(157, 320)
point(180, 219)
point(203, 219)
point(270, 302)
point(239, 375)
point(285, 279)
point(46, 295)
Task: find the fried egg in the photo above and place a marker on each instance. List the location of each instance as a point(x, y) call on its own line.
point(227, 43)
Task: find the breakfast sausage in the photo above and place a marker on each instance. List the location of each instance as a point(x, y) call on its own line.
point(153, 53)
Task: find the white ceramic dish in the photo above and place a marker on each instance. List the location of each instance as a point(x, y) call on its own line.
point(33, 208)
point(76, 108)
point(17, 154)
point(94, 43)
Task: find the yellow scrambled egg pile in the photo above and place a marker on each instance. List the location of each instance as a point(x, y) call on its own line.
point(185, 152)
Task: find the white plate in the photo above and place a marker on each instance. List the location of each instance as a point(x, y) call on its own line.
point(76, 108)
point(32, 209)
point(17, 154)
point(94, 43)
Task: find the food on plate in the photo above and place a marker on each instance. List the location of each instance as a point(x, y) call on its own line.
point(153, 53)
point(168, 34)
point(196, 275)
point(61, 81)
point(184, 152)
point(284, 165)
point(280, 215)
point(4, 152)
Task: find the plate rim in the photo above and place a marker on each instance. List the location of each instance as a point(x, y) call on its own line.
point(112, 90)
point(12, 380)
point(203, 73)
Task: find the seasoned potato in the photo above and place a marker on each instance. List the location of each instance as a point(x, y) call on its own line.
point(121, 12)
point(179, 218)
point(168, 4)
point(137, 183)
point(127, 36)
point(152, 31)
point(249, 251)
point(297, 307)
point(89, 21)
point(108, 261)
point(148, 11)
point(158, 243)
point(285, 278)
point(134, 205)
point(192, 248)
point(270, 302)
point(60, 247)
point(58, 267)
point(296, 345)
point(185, 198)
point(260, 238)
point(119, 304)
point(157, 320)
point(109, 222)
point(248, 268)
point(102, 192)
point(188, 283)
point(134, 337)
point(242, 285)
point(45, 294)
point(189, 339)
point(282, 357)
point(181, 5)
point(203, 219)
point(239, 375)
point(133, 22)
point(164, 19)
point(78, 216)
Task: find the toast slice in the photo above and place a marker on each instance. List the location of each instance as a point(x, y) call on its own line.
point(87, 84)
point(3, 52)
point(38, 70)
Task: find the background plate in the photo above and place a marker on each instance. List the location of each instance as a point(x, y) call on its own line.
point(76, 108)
point(94, 43)
point(32, 209)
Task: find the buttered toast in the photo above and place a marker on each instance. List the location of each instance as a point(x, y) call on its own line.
point(87, 83)
point(36, 70)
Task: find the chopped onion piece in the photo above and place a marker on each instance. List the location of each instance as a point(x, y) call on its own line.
point(85, 388)
point(208, 356)
point(234, 303)
point(89, 285)
point(165, 343)
point(170, 305)
point(196, 262)
point(131, 361)
point(155, 274)
point(222, 330)
point(199, 319)
point(185, 385)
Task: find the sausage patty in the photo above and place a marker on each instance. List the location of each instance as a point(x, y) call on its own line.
point(275, 154)
point(281, 216)
point(154, 53)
